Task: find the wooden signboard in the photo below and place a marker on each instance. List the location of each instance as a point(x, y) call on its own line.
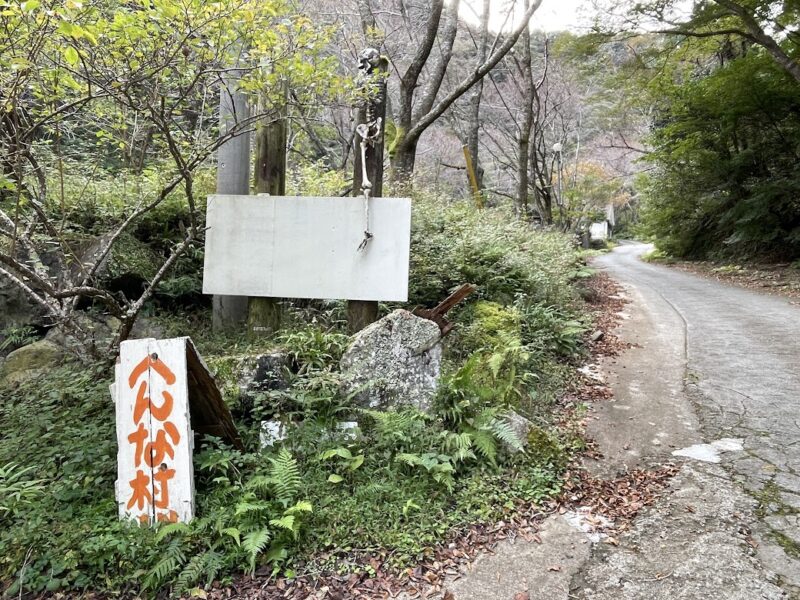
point(307, 247)
point(153, 385)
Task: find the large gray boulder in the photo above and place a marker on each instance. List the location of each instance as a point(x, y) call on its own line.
point(394, 362)
point(30, 361)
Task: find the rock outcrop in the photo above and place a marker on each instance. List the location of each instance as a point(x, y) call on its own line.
point(394, 362)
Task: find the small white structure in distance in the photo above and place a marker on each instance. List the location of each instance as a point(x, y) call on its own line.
point(307, 247)
point(602, 230)
point(598, 231)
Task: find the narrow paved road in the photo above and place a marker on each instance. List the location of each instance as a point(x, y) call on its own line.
point(742, 355)
point(710, 383)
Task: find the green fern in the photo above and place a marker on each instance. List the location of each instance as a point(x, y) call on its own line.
point(503, 431)
point(262, 484)
point(409, 459)
point(191, 573)
point(285, 475)
point(172, 559)
point(304, 506)
point(250, 505)
point(485, 443)
point(394, 424)
point(170, 528)
point(214, 563)
point(286, 522)
point(254, 543)
point(459, 445)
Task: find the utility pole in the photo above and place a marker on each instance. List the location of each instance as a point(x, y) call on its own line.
point(368, 160)
point(233, 177)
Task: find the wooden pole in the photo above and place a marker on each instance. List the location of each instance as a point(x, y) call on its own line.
point(373, 68)
point(473, 178)
point(233, 177)
point(265, 314)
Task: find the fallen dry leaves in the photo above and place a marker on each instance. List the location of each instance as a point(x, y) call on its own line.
point(779, 279)
point(620, 499)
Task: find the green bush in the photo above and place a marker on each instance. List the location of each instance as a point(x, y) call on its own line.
point(453, 243)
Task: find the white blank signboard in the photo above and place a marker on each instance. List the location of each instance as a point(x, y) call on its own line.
point(307, 247)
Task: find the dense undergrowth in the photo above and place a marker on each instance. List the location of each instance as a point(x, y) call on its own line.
point(325, 497)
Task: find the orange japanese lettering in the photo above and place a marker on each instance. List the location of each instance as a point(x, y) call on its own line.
point(158, 450)
point(144, 402)
point(157, 365)
point(141, 491)
point(138, 437)
point(163, 476)
point(169, 517)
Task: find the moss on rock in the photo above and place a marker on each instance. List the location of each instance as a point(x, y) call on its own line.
point(29, 361)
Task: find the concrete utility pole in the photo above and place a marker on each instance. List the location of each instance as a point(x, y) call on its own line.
point(265, 314)
point(372, 114)
point(233, 177)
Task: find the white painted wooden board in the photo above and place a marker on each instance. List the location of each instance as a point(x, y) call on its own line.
point(307, 247)
point(155, 441)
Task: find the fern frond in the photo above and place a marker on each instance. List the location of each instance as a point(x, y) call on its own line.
point(411, 460)
point(172, 560)
point(286, 522)
point(485, 443)
point(254, 543)
point(234, 533)
point(285, 474)
point(261, 484)
point(457, 442)
point(250, 505)
point(300, 507)
point(170, 528)
point(214, 563)
point(191, 573)
point(394, 423)
point(503, 431)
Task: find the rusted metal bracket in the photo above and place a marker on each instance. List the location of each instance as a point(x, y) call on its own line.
point(437, 313)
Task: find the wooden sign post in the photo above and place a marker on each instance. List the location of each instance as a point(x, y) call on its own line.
point(368, 159)
point(156, 480)
point(162, 388)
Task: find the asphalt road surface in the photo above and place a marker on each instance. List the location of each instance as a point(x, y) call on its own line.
point(742, 374)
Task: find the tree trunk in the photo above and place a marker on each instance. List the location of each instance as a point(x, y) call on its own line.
point(233, 177)
point(403, 159)
point(266, 314)
point(404, 155)
point(474, 111)
point(361, 313)
point(759, 36)
point(523, 142)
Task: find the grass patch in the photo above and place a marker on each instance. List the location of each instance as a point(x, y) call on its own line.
point(657, 256)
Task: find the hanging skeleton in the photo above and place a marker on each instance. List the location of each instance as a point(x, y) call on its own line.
point(371, 130)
